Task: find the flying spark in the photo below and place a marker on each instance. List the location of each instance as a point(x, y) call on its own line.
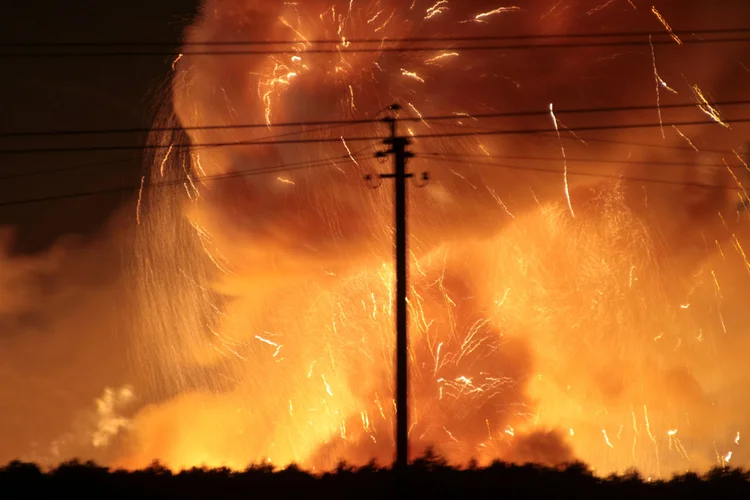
point(666, 25)
point(706, 107)
point(565, 160)
point(484, 15)
point(138, 204)
point(412, 74)
point(438, 8)
point(440, 57)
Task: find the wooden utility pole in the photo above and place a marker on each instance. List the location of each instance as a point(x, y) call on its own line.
point(400, 155)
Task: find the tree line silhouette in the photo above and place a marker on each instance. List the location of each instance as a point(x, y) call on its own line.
point(429, 477)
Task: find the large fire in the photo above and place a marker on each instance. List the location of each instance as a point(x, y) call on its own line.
point(584, 304)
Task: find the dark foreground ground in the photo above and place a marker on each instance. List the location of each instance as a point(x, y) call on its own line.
point(429, 478)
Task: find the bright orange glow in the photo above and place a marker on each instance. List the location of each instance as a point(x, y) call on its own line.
point(538, 332)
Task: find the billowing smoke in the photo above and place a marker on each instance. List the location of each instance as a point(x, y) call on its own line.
point(65, 325)
point(536, 304)
point(594, 317)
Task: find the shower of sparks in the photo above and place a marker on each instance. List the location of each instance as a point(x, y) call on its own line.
point(295, 31)
point(266, 341)
point(600, 7)
point(737, 438)
point(741, 251)
point(327, 385)
point(138, 204)
point(666, 25)
point(412, 74)
point(465, 115)
point(587, 279)
point(386, 23)
point(573, 133)
point(648, 424)
point(194, 194)
point(164, 160)
point(659, 82)
point(552, 10)
point(351, 96)
point(635, 432)
point(176, 60)
point(441, 56)
point(201, 170)
point(685, 137)
point(565, 160)
point(706, 107)
point(438, 8)
point(716, 284)
point(348, 151)
point(271, 85)
point(450, 435)
point(463, 177)
point(742, 160)
point(484, 15)
point(500, 202)
point(416, 111)
point(736, 179)
point(373, 18)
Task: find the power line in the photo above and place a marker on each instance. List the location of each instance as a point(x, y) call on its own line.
point(591, 174)
point(615, 34)
point(262, 142)
point(472, 48)
point(481, 116)
point(164, 184)
point(637, 144)
point(321, 163)
point(582, 160)
point(65, 169)
point(123, 161)
point(459, 155)
point(589, 128)
point(455, 155)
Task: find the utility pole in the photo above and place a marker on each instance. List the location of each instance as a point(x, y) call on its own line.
point(400, 155)
point(398, 151)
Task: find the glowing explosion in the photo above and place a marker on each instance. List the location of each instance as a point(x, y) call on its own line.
point(553, 315)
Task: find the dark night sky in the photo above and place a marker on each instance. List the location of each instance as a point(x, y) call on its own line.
point(78, 93)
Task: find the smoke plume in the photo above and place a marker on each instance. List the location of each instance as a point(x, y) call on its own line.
point(596, 315)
